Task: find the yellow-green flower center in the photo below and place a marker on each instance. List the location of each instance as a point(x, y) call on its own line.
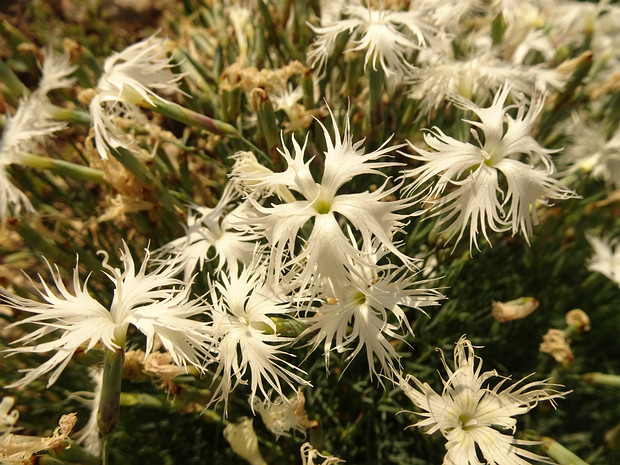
point(464, 422)
point(322, 206)
point(359, 298)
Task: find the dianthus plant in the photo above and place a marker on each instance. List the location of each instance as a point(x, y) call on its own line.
point(327, 250)
point(496, 182)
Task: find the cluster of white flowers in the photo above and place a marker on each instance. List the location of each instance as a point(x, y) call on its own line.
point(428, 47)
point(306, 244)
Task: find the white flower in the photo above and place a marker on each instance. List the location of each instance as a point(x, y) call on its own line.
point(31, 122)
point(366, 310)
point(388, 37)
point(449, 14)
point(286, 100)
point(210, 228)
point(154, 302)
point(606, 258)
point(55, 72)
point(138, 73)
point(246, 337)
point(592, 151)
point(327, 250)
point(474, 176)
point(475, 417)
point(476, 76)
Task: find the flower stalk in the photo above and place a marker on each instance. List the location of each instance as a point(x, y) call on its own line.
point(375, 77)
point(109, 405)
point(186, 116)
point(70, 116)
point(559, 453)
point(602, 379)
point(63, 167)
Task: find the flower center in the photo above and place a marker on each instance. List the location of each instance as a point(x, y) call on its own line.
point(465, 422)
point(359, 298)
point(322, 206)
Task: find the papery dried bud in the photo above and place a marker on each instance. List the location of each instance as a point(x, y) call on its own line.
point(309, 454)
point(15, 448)
point(161, 365)
point(579, 319)
point(65, 426)
point(243, 441)
point(514, 309)
point(555, 344)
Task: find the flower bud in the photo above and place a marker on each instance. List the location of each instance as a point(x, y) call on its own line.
point(243, 441)
point(514, 309)
point(578, 319)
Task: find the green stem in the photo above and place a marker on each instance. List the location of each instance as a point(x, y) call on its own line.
point(189, 117)
point(375, 83)
point(109, 405)
point(602, 379)
point(559, 453)
point(71, 116)
point(11, 87)
point(63, 167)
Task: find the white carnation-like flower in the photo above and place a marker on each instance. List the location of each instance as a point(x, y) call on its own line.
point(474, 416)
point(247, 343)
point(388, 37)
point(366, 312)
point(139, 73)
point(210, 228)
point(31, 123)
point(154, 302)
point(327, 250)
point(495, 183)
